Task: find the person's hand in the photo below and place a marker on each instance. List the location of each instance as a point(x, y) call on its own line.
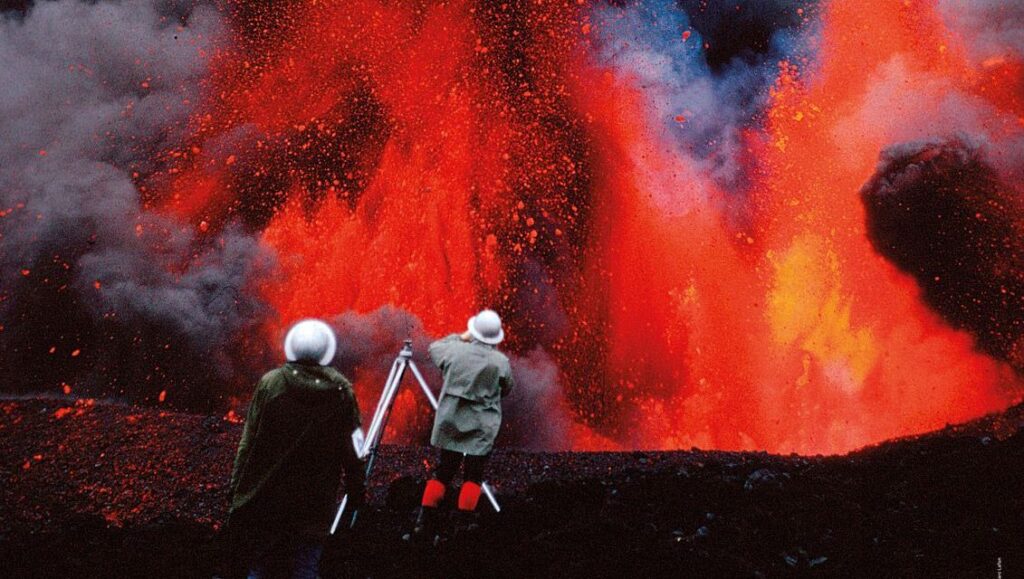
point(466, 336)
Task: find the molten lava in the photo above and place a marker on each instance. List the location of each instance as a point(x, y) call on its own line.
point(443, 157)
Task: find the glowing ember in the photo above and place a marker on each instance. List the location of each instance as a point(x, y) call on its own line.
point(62, 412)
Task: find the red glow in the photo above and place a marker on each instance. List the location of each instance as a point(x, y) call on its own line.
point(787, 334)
point(62, 412)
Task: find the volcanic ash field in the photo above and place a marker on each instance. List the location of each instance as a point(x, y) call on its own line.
point(108, 490)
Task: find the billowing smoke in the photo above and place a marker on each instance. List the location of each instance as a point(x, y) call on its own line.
point(941, 213)
point(705, 70)
point(537, 417)
point(98, 294)
point(534, 416)
point(995, 27)
point(943, 205)
point(995, 31)
point(370, 342)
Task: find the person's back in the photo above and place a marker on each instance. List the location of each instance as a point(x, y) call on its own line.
point(476, 377)
point(291, 467)
point(296, 441)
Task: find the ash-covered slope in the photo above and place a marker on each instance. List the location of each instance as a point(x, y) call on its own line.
point(93, 489)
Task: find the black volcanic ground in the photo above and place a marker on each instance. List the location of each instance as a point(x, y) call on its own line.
point(108, 490)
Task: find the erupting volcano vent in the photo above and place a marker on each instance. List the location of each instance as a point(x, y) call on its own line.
point(662, 200)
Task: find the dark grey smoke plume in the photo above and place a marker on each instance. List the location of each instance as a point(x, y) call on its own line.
point(368, 344)
point(96, 291)
point(939, 210)
point(537, 417)
point(946, 210)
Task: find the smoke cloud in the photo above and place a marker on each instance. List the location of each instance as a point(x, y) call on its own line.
point(98, 293)
point(368, 344)
point(939, 211)
point(994, 28)
point(942, 205)
point(705, 72)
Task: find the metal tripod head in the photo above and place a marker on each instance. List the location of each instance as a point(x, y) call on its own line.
point(406, 349)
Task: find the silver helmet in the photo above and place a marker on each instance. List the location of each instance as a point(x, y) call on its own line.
point(310, 341)
point(486, 327)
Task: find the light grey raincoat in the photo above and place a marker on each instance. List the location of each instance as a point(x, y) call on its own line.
point(476, 377)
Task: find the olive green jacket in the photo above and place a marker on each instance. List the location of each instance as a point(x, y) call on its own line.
point(296, 441)
point(476, 377)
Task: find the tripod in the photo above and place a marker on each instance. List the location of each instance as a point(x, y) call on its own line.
point(371, 444)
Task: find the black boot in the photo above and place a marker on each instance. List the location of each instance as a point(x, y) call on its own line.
point(464, 522)
point(425, 530)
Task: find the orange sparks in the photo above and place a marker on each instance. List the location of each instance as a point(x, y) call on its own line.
point(62, 412)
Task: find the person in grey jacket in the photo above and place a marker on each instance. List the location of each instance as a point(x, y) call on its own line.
point(476, 377)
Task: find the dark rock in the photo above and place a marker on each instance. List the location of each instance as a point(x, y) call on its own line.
point(762, 478)
point(918, 506)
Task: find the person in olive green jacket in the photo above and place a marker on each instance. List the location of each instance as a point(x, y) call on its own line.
point(476, 377)
point(296, 441)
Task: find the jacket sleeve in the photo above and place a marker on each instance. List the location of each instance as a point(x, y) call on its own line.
point(252, 425)
point(355, 468)
point(440, 351)
point(506, 381)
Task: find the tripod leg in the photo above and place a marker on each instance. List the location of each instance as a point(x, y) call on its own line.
point(387, 384)
point(490, 497)
point(373, 443)
point(423, 385)
point(387, 396)
point(383, 408)
point(337, 516)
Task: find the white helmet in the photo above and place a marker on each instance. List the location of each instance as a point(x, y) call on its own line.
point(486, 327)
point(310, 341)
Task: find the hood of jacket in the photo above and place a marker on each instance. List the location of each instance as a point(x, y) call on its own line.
point(310, 382)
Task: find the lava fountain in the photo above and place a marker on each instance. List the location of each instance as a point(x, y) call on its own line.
point(441, 157)
point(672, 226)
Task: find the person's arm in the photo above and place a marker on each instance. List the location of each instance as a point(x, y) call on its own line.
point(507, 382)
point(355, 467)
point(252, 423)
point(440, 349)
